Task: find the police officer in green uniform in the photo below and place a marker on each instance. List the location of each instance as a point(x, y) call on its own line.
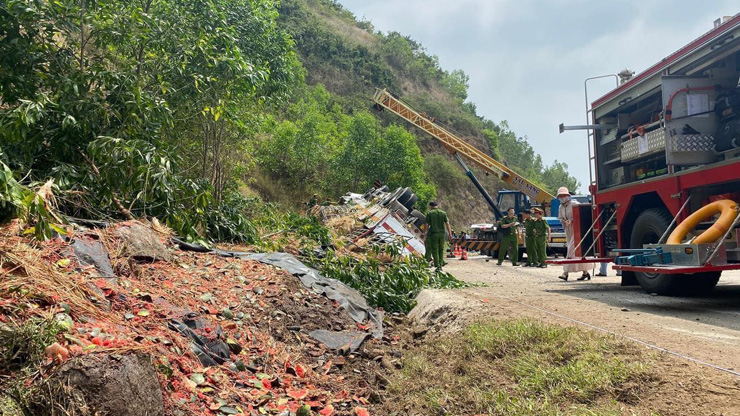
point(437, 223)
point(541, 236)
point(528, 221)
point(508, 232)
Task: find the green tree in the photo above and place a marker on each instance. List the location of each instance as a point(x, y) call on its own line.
point(370, 153)
point(152, 84)
point(444, 173)
point(556, 175)
point(354, 165)
point(457, 83)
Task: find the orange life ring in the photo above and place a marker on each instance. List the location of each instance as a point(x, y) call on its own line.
point(728, 212)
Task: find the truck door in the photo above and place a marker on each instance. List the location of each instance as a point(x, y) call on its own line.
point(690, 122)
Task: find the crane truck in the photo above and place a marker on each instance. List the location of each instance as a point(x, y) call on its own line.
point(666, 150)
point(524, 195)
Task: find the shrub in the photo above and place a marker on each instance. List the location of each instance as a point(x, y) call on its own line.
point(388, 285)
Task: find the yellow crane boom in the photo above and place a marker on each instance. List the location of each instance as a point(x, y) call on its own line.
point(455, 145)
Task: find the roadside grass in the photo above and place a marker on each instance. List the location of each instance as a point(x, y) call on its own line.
point(521, 367)
point(21, 356)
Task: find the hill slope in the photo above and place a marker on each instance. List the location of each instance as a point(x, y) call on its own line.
point(351, 59)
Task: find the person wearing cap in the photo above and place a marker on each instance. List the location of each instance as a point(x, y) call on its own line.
point(565, 215)
point(528, 222)
point(541, 231)
point(438, 224)
point(508, 239)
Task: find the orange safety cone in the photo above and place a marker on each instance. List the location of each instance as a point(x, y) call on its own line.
point(464, 255)
point(458, 250)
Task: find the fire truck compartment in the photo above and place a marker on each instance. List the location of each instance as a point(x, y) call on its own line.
point(668, 123)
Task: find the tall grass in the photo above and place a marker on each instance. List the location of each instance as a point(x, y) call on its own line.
point(520, 368)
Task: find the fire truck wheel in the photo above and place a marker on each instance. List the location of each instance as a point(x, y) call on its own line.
point(698, 283)
point(648, 228)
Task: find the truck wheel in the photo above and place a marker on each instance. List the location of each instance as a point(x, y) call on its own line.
point(698, 283)
point(409, 204)
point(395, 206)
point(388, 199)
point(648, 228)
point(420, 218)
point(404, 196)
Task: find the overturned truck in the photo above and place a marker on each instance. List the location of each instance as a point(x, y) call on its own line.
point(385, 217)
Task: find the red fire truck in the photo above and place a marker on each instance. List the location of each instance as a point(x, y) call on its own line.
point(666, 143)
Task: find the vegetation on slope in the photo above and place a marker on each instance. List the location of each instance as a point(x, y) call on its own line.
point(192, 105)
point(350, 58)
point(152, 120)
point(314, 146)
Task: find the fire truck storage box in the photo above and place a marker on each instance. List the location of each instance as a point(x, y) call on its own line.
point(652, 142)
point(693, 254)
point(582, 219)
point(691, 149)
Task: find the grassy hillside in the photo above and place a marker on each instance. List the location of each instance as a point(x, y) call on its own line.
point(351, 59)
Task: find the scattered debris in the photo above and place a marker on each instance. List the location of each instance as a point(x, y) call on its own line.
point(346, 297)
point(222, 335)
point(377, 216)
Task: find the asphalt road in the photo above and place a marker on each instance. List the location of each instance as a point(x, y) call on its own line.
point(703, 328)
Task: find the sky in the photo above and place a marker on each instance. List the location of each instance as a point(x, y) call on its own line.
point(528, 59)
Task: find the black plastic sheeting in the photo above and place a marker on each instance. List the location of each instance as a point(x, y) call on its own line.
point(184, 245)
point(209, 352)
point(93, 253)
point(347, 298)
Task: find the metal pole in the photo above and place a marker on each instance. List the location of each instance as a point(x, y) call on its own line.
point(600, 233)
point(589, 144)
point(491, 203)
point(722, 240)
point(674, 220)
point(584, 236)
